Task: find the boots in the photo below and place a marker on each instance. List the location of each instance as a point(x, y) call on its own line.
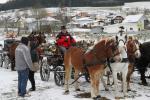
point(32, 89)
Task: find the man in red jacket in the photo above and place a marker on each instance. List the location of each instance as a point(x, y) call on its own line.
point(64, 40)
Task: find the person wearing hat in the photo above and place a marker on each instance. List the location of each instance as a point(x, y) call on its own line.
point(23, 63)
point(64, 40)
point(121, 36)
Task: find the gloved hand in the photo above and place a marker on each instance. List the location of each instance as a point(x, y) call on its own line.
point(73, 44)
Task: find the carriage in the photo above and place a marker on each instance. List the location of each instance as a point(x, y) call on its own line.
point(52, 61)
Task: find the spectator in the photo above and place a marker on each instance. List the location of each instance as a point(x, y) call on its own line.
point(23, 63)
point(121, 36)
point(35, 59)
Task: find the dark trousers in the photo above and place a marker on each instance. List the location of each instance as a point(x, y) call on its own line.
point(22, 81)
point(62, 50)
point(31, 78)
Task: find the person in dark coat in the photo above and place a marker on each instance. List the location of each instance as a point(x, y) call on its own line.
point(35, 58)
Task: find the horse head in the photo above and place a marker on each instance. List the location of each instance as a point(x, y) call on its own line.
point(37, 38)
point(133, 49)
point(106, 48)
point(111, 48)
point(41, 38)
point(122, 54)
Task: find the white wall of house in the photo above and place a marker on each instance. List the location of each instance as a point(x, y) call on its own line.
point(115, 28)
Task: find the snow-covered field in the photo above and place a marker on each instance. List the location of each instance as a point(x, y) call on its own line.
point(49, 91)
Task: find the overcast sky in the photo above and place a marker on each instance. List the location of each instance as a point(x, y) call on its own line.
point(3, 1)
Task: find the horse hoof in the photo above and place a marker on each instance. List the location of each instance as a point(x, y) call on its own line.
point(97, 98)
point(66, 92)
point(78, 90)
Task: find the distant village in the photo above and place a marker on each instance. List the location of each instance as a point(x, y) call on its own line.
point(134, 17)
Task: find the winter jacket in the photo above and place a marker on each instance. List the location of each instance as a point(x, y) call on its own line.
point(33, 51)
point(65, 40)
point(22, 57)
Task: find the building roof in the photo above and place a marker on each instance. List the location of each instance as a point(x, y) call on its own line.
point(84, 19)
point(79, 30)
point(133, 18)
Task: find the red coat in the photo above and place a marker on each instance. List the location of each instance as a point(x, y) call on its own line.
point(65, 40)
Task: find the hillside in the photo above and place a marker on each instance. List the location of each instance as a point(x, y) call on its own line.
point(15, 4)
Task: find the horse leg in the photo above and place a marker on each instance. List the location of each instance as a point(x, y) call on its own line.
point(105, 85)
point(102, 79)
point(95, 75)
point(76, 75)
point(124, 81)
point(92, 79)
point(130, 71)
point(13, 65)
point(143, 78)
point(141, 66)
point(115, 82)
point(108, 78)
point(67, 75)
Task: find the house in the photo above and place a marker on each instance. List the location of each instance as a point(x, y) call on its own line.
point(135, 22)
point(85, 22)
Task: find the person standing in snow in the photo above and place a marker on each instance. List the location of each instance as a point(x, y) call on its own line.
point(23, 64)
point(35, 59)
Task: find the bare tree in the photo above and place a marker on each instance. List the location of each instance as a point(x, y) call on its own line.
point(18, 22)
point(6, 21)
point(38, 13)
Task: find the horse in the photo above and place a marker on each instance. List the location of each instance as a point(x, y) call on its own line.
point(93, 61)
point(143, 62)
point(124, 63)
point(120, 65)
point(39, 39)
point(133, 53)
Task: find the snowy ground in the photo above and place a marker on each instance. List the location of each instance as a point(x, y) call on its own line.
point(49, 91)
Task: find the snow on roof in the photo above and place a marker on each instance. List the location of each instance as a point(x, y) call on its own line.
point(132, 18)
point(49, 19)
point(84, 19)
point(72, 22)
point(79, 30)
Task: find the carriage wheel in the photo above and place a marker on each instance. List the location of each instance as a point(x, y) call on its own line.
point(59, 75)
point(44, 71)
point(7, 62)
point(1, 60)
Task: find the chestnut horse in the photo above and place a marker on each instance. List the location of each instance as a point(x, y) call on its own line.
point(133, 52)
point(39, 39)
point(93, 61)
